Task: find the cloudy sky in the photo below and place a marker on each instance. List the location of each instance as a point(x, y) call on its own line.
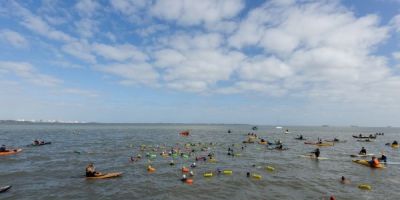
point(211, 61)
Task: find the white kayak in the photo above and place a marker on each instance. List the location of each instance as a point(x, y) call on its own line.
point(361, 155)
point(5, 188)
point(313, 157)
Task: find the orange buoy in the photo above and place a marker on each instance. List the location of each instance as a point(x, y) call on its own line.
point(189, 181)
point(151, 169)
point(185, 169)
point(184, 133)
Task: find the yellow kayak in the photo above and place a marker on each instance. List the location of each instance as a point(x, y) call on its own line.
point(366, 163)
point(107, 175)
point(10, 152)
point(265, 142)
point(394, 145)
point(326, 144)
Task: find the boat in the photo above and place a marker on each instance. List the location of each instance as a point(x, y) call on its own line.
point(364, 137)
point(336, 141)
point(106, 175)
point(5, 188)
point(10, 152)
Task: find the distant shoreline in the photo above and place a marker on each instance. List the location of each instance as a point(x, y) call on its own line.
point(167, 123)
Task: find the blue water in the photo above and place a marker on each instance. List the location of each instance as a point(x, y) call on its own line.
point(56, 172)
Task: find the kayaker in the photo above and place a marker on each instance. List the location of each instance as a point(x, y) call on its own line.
point(300, 137)
point(395, 142)
point(371, 136)
point(336, 140)
point(316, 152)
point(383, 158)
point(280, 147)
point(91, 170)
point(36, 142)
point(3, 148)
point(374, 162)
point(344, 180)
point(363, 151)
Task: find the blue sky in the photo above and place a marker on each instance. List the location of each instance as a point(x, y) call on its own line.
point(213, 61)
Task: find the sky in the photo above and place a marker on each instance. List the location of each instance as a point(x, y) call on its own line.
point(279, 62)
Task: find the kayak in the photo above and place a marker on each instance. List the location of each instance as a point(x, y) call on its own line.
point(361, 155)
point(366, 140)
point(107, 175)
point(276, 148)
point(41, 144)
point(265, 142)
point(5, 188)
point(326, 144)
point(394, 145)
point(322, 144)
point(10, 152)
point(364, 137)
point(313, 157)
point(300, 138)
point(366, 163)
point(335, 141)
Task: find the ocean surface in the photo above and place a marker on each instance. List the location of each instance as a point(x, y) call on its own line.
point(56, 171)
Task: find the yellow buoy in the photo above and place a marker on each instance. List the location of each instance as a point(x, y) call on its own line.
point(269, 168)
point(208, 174)
point(228, 172)
point(257, 176)
point(364, 187)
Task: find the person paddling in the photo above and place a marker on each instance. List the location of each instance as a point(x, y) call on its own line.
point(363, 151)
point(374, 162)
point(3, 148)
point(344, 180)
point(383, 158)
point(316, 152)
point(91, 170)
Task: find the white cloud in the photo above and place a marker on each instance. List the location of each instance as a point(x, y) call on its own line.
point(192, 12)
point(119, 52)
point(86, 27)
point(81, 92)
point(133, 9)
point(132, 73)
point(80, 49)
point(87, 7)
point(196, 62)
point(144, 32)
point(396, 55)
point(37, 24)
point(317, 47)
point(28, 73)
point(264, 69)
point(282, 29)
point(14, 38)
point(395, 23)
